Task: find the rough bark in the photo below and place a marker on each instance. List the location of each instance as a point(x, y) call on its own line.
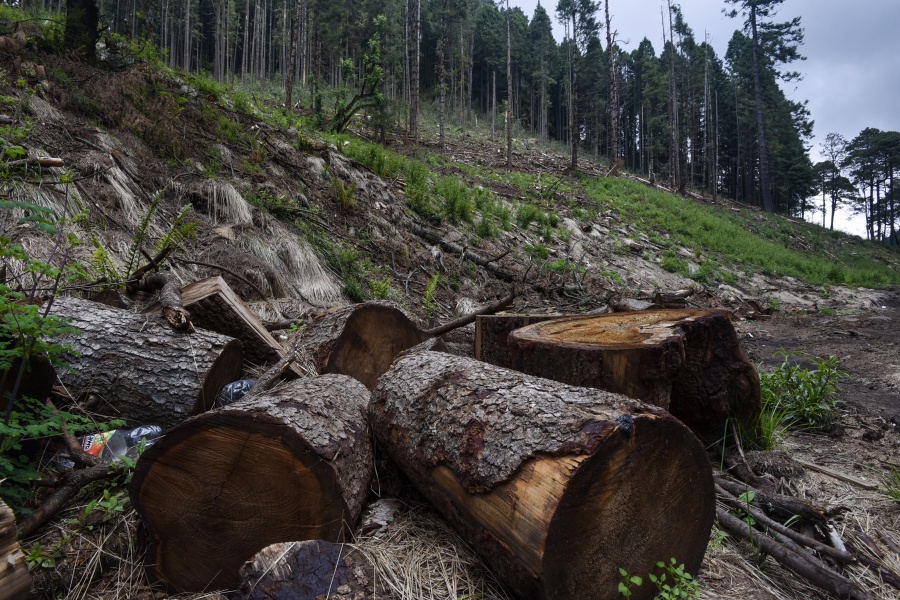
point(686, 361)
point(310, 569)
point(15, 581)
point(138, 369)
point(551, 483)
point(360, 340)
point(170, 300)
point(290, 465)
point(214, 306)
point(492, 331)
point(82, 18)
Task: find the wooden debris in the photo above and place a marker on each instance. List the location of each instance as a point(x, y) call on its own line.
point(291, 464)
point(550, 482)
point(866, 485)
point(15, 581)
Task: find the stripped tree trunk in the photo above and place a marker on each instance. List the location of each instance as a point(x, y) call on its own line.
point(557, 486)
point(291, 464)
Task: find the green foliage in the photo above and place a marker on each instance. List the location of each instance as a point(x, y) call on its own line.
point(345, 194)
point(485, 228)
point(806, 397)
point(673, 263)
point(672, 583)
point(109, 505)
point(526, 214)
point(563, 265)
point(428, 298)
point(537, 251)
point(381, 288)
point(47, 555)
point(890, 484)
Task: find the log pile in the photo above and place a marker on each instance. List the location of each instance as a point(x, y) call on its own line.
point(579, 453)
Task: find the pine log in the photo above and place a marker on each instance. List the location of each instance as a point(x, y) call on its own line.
point(139, 368)
point(15, 581)
point(292, 464)
point(557, 486)
point(360, 340)
point(687, 361)
point(214, 306)
point(492, 331)
point(310, 569)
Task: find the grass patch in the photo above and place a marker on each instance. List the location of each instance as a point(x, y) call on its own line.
point(762, 242)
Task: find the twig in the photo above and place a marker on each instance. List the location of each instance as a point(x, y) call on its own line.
point(837, 475)
point(463, 321)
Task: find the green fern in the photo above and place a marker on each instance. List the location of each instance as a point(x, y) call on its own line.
point(180, 231)
point(140, 234)
point(102, 264)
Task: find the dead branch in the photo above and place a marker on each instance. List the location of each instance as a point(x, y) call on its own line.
point(433, 238)
point(74, 482)
point(802, 564)
point(470, 318)
point(36, 162)
point(785, 535)
point(812, 511)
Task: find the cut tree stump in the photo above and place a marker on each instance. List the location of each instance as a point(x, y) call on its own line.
point(137, 368)
point(492, 331)
point(310, 569)
point(15, 581)
point(557, 486)
point(291, 464)
point(689, 362)
point(214, 306)
point(360, 340)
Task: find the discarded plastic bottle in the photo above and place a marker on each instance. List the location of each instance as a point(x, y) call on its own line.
point(233, 392)
point(110, 445)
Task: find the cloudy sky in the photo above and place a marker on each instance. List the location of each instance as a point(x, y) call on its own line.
point(851, 74)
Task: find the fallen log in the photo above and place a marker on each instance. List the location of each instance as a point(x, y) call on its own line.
point(134, 367)
point(360, 340)
point(170, 301)
point(15, 581)
point(310, 569)
point(549, 482)
point(687, 361)
point(292, 464)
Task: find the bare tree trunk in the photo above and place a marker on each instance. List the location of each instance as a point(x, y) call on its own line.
point(509, 89)
point(187, 36)
point(295, 36)
point(414, 89)
point(442, 84)
point(494, 108)
point(613, 89)
point(245, 57)
point(764, 177)
point(573, 96)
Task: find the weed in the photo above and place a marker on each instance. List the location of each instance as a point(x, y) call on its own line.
point(564, 265)
point(527, 214)
point(485, 228)
point(807, 396)
point(381, 288)
point(671, 584)
point(613, 276)
point(890, 485)
point(428, 299)
point(672, 263)
point(344, 193)
point(537, 251)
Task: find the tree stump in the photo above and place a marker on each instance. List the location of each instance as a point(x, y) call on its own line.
point(291, 464)
point(310, 569)
point(15, 581)
point(687, 361)
point(360, 340)
point(557, 486)
point(492, 332)
point(139, 369)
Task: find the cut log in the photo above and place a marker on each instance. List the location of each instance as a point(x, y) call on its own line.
point(687, 361)
point(492, 331)
point(15, 581)
point(310, 569)
point(360, 340)
point(557, 486)
point(214, 306)
point(292, 464)
point(137, 368)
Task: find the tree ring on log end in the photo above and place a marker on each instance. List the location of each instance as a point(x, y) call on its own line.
point(631, 504)
point(372, 337)
point(221, 492)
point(625, 330)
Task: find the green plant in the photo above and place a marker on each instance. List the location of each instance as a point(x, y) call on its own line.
point(109, 505)
point(672, 263)
point(46, 556)
point(380, 287)
point(428, 298)
point(671, 584)
point(344, 193)
point(890, 484)
point(808, 397)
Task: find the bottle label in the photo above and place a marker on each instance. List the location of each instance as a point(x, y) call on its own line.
point(93, 444)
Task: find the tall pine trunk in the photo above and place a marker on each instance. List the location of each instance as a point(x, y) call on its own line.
point(765, 178)
point(509, 89)
point(614, 151)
